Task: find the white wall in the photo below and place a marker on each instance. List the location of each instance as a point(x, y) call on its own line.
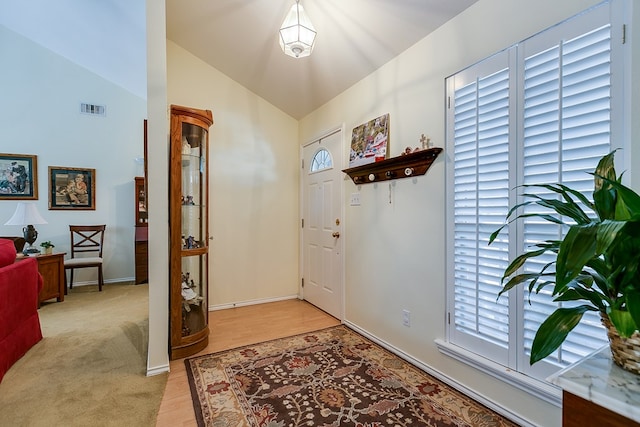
point(254, 184)
point(40, 115)
point(83, 32)
point(395, 252)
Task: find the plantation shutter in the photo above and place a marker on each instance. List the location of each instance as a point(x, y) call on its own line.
point(566, 130)
point(539, 112)
point(481, 201)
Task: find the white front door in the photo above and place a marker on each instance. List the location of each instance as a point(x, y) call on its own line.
point(322, 241)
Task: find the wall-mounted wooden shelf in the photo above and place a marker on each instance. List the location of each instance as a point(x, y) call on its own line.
point(412, 164)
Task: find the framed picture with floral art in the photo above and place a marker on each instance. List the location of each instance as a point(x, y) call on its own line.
point(18, 177)
point(72, 188)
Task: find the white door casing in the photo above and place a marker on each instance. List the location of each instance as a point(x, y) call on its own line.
point(322, 214)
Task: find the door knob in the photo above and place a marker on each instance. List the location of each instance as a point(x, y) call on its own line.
point(336, 234)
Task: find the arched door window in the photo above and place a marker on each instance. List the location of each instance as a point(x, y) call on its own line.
point(321, 160)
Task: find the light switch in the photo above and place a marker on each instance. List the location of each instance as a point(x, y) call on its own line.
point(355, 199)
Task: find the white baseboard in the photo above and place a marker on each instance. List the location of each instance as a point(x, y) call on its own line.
point(157, 370)
point(442, 377)
point(105, 281)
point(250, 302)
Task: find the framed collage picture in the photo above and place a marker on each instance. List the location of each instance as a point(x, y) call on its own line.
point(18, 177)
point(369, 141)
point(72, 188)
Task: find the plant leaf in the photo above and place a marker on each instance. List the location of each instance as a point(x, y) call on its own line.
point(543, 284)
point(623, 322)
point(604, 198)
point(571, 210)
point(577, 248)
point(633, 304)
point(576, 293)
point(566, 193)
point(518, 206)
point(607, 234)
point(546, 217)
point(630, 198)
point(495, 234)
point(520, 260)
point(599, 271)
point(554, 330)
point(517, 279)
point(579, 195)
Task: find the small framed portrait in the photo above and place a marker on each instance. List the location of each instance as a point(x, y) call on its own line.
point(72, 188)
point(18, 177)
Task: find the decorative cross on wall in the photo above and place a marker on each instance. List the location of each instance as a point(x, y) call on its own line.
point(425, 141)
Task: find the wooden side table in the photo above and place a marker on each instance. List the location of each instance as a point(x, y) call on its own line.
point(51, 267)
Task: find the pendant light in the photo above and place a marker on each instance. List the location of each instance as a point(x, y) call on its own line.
point(297, 34)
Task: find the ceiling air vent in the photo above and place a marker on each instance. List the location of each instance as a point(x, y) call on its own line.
point(95, 110)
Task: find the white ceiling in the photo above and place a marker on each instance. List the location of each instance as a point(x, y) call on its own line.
point(355, 37)
point(237, 37)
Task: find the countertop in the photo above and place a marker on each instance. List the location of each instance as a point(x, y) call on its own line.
point(598, 379)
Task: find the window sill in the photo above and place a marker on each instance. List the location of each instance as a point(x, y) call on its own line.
point(540, 389)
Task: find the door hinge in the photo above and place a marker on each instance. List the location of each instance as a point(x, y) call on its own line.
point(448, 102)
point(449, 317)
point(302, 282)
point(302, 163)
point(624, 33)
point(302, 220)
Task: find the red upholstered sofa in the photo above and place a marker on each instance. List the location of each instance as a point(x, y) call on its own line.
point(20, 284)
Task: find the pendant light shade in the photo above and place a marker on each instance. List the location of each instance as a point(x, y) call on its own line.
point(297, 34)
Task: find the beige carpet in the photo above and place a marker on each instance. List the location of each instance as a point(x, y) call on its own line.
point(89, 369)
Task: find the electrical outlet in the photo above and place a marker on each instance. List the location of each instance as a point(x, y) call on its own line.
point(355, 199)
point(406, 318)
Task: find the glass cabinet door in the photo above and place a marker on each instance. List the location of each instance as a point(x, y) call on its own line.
point(193, 239)
point(194, 186)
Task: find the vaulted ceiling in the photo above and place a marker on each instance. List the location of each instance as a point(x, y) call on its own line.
point(237, 37)
point(355, 37)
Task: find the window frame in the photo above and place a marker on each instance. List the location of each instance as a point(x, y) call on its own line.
point(322, 166)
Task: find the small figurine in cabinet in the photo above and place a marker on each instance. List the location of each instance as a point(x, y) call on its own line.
point(189, 295)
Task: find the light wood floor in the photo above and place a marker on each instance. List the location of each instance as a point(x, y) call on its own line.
point(234, 328)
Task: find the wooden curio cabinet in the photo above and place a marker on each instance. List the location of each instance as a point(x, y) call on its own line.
point(189, 230)
point(141, 232)
point(141, 202)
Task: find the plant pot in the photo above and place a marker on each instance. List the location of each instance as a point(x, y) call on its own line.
point(48, 251)
point(625, 351)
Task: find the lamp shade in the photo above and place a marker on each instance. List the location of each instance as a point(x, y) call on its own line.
point(26, 214)
point(297, 34)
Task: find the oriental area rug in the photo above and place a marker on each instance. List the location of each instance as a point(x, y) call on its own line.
point(330, 377)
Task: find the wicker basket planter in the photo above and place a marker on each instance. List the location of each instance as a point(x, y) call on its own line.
point(625, 351)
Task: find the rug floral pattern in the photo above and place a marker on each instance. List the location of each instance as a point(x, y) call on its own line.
point(332, 377)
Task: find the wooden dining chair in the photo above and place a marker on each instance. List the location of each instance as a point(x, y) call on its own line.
point(87, 242)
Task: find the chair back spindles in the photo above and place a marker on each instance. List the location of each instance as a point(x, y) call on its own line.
point(87, 238)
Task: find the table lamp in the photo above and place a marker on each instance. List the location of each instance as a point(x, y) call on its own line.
point(27, 214)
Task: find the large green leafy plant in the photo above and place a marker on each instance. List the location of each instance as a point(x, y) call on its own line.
point(596, 264)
